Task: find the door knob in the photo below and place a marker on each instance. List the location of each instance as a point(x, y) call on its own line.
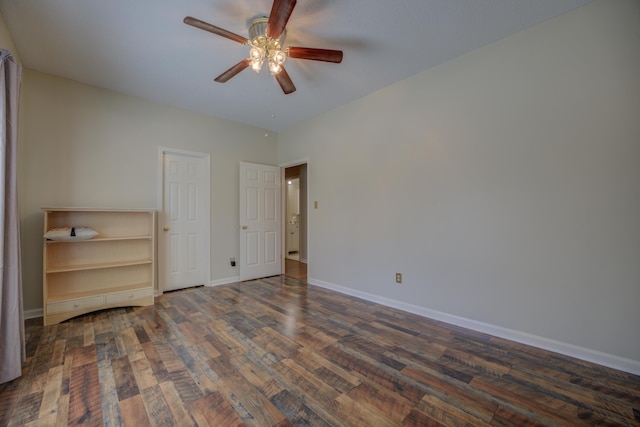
point(165, 228)
point(244, 227)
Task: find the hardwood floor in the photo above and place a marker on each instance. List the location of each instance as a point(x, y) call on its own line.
point(295, 269)
point(280, 352)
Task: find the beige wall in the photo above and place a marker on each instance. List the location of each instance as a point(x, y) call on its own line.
point(6, 41)
point(503, 184)
point(84, 146)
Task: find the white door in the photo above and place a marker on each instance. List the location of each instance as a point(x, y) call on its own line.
point(260, 240)
point(184, 223)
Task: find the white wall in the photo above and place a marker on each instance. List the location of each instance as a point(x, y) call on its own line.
point(293, 198)
point(84, 146)
point(504, 185)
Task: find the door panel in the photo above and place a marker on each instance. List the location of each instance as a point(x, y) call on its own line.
point(270, 253)
point(259, 221)
point(185, 220)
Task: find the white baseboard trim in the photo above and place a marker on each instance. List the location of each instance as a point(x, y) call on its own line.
point(225, 281)
point(33, 314)
point(593, 356)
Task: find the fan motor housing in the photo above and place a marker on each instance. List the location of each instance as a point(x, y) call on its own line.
point(258, 28)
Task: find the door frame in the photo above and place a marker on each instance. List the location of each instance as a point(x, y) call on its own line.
point(206, 262)
point(283, 207)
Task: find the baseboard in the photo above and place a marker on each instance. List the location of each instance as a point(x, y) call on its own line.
point(33, 314)
point(589, 355)
point(225, 281)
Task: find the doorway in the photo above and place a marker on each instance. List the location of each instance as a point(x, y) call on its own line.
point(295, 221)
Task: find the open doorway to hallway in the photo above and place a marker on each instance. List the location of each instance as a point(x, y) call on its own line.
point(295, 220)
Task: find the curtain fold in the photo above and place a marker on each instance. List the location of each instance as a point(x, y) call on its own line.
point(12, 344)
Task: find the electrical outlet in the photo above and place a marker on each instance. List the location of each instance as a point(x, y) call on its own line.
point(233, 261)
point(398, 277)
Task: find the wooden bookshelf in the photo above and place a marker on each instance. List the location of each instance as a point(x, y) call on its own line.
point(114, 269)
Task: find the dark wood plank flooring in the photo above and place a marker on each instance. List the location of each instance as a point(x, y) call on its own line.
point(280, 352)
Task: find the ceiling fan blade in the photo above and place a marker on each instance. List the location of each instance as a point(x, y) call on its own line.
point(280, 13)
point(194, 22)
point(285, 82)
point(325, 55)
point(233, 71)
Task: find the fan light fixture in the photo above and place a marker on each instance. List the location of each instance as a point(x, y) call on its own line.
point(265, 44)
point(264, 47)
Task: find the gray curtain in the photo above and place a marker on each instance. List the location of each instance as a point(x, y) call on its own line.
point(12, 345)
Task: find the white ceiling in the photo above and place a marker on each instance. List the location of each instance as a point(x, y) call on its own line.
point(142, 47)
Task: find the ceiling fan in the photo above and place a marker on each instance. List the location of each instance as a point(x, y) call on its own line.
point(266, 34)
